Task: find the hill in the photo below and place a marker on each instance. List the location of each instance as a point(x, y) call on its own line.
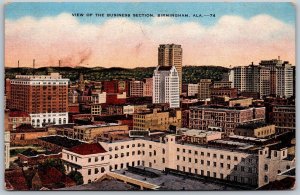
point(191, 74)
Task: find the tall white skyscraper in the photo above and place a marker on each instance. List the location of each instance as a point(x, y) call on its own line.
point(166, 86)
point(284, 80)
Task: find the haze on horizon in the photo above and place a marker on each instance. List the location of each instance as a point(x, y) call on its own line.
point(125, 42)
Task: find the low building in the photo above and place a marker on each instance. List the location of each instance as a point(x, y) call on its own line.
point(223, 91)
point(239, 162)
point(223, 119)
point(156, 120)
point(192, 89)
point(91, 160)
point(131, 109)
point(89, 133)
point(259, 130)
point(284, 117)
point(17, 118)
point(26, 135)
point(198, 136)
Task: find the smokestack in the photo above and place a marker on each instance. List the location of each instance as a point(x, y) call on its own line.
point(59, 63)
point(33, 63)
point(18, 63)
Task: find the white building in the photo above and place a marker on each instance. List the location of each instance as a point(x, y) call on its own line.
point(241, 164)
point(166, 86)
point(252, 78)
point(193, 89)
point(99, 97)
point(284, 80)
point(7, 148)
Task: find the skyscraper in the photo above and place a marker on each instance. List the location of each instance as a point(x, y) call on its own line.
point(252, 78)
point(166, 86)
point(171, 55)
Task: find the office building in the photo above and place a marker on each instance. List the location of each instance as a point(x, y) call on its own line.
point(43, 97)
point(166, 86)
point(204, 88)
point(171, 55)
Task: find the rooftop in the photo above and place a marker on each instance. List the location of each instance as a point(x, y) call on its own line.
point(253, 125)
point(104, 185)
point(62, 141)
point(170, 181)
point(18, 114)
point(87, 149)
point(164, 68)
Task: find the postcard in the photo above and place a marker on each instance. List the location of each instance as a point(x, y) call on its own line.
point(150, 96)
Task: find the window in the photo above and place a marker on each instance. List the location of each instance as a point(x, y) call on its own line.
point(266, 167)
point(89, 160)
point(208, 154)
point(235, 167)
point(222, 156)
point(196, 160)
point(221, 176)
point(221, 165)
point(202, 162)
point(178, 150)
point(183, 150)
point(102, 157)
point(178, 157)
point(163, 160)
point(215, 155)
point(208, 163)
point(89, 181)
point(288, 167)
point(215, 164)
point(235, 158)
point(266, 179)
point(190, 151)
point(96, 170)
point(202, 153)
point(215, 174)
point(196, 152)
point(96, 159)
point(183, 158)
point(228, 157)
point(242, 168)
point(208, 173)
point(89, 171)
point(102, 169)
point(190, 160)
point(228, 166)
point(163, 151)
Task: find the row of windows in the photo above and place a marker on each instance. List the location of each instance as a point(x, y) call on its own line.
point(208, 154)
point(214, 174)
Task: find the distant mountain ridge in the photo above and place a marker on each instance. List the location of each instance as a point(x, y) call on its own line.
point(191, 74)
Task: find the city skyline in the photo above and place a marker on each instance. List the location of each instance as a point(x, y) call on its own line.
point(88, 41)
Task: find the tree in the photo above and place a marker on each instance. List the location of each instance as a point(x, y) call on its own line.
point(76, 176)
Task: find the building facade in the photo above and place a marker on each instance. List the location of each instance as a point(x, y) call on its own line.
point(241, 166)
point(166, 86)
point(171, 55)
point(43, 97)
point(136, 88)
point(223, 119)
point(155, 120)
point(204, 88)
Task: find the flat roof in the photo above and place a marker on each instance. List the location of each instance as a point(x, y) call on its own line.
point(62, 141)
point(104, 185)
point(170, 181)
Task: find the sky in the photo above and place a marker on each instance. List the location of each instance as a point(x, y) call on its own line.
point(240, 33)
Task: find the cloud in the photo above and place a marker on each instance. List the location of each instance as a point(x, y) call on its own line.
point(122, 42)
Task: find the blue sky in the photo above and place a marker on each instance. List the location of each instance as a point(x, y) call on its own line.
point(281, 11)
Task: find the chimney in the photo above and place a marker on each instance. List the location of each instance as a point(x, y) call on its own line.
point(252, 63)
point(33, 63)
point(59, 63)
point(18, 63)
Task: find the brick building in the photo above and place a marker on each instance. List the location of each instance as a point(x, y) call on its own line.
point(223, 119)
point(43, 97)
